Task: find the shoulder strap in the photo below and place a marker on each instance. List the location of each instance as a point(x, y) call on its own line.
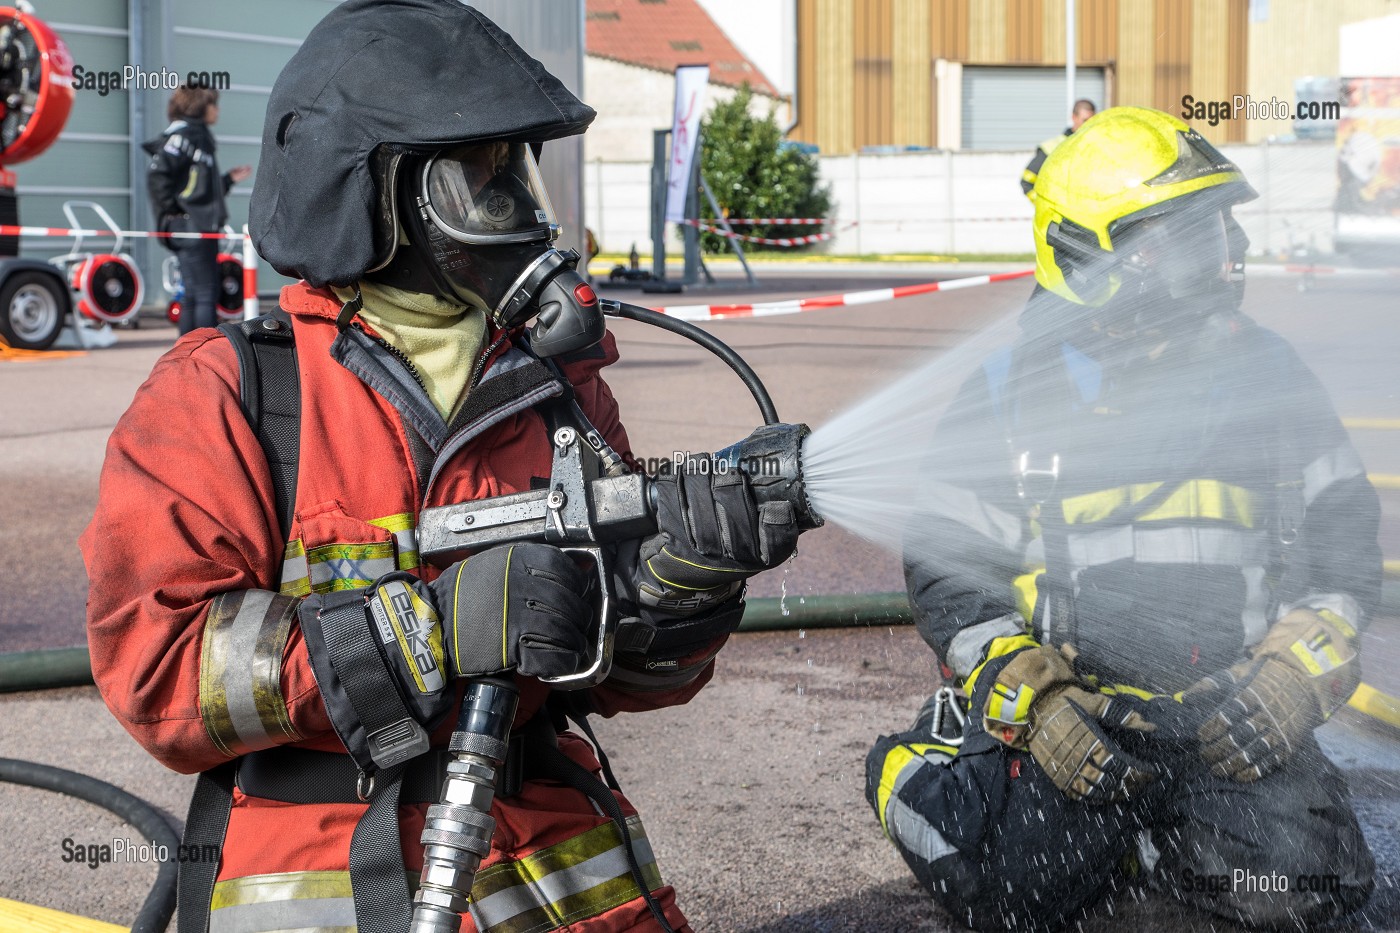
point(269, 390)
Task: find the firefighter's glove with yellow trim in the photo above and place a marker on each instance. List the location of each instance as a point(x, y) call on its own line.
point(713, 534)
point(516, 607)
point(1036, 704)
point(1303, 670)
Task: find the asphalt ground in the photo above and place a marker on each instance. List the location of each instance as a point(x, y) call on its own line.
point(753, 792)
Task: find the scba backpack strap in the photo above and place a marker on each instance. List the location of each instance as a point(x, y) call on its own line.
point(269, 390)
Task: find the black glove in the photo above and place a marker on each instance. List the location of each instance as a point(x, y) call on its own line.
point(713, 534)
point(515, 607)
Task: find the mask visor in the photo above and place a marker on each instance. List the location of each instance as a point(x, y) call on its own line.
point(487, 194)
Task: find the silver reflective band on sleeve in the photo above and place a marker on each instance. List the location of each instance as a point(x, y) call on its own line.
point(1340, 463)
point(240, 671)
point(1342, 604)
point(966, 508)
point(1229, 547)
point(967, 648)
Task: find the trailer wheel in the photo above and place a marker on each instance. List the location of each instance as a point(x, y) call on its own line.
point(32, 308)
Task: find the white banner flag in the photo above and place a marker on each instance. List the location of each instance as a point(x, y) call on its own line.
point(685, 130)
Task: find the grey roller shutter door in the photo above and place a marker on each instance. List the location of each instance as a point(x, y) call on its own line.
point(1017, 108)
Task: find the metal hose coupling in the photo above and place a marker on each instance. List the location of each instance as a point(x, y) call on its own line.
point(772, 458)
point(457, 832)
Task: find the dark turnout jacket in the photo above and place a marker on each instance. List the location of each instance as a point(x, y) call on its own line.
point(183, 180)
point(1182, 500)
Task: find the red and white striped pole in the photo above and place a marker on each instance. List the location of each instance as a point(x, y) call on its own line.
point(250, 277)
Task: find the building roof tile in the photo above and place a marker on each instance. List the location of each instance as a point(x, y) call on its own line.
point(661, 34)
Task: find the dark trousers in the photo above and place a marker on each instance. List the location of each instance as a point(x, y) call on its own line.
point(1000, 848)
point(199, 271)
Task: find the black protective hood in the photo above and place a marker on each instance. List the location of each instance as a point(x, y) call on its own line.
point(414, 74)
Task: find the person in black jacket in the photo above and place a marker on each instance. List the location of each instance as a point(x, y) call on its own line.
point(1146, 551)
point(187, 196)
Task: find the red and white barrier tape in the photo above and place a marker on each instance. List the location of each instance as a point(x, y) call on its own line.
point(12, 230)
point(774, 241)
point(767, 309)
point(249, 256)
point(783, 221)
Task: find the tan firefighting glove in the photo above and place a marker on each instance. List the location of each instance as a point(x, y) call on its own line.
point(1303, 670)
point(1037, 704)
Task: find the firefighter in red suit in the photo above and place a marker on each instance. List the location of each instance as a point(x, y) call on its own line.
point(398, 183)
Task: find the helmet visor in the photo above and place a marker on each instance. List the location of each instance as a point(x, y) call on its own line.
point(1188, 251)
point(486, 193)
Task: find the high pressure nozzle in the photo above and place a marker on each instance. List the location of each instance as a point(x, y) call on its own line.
point(772, 458)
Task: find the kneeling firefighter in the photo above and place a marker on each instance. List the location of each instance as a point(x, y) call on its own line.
point(1145, 557)
point(259, 610)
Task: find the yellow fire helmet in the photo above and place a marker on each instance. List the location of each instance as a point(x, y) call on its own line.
point(1125, 171)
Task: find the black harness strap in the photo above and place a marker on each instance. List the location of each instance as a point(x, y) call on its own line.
point(205, 825)
point(270, 392)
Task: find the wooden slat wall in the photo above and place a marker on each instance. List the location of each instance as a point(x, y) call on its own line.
point(913, 74)
point(1024, 41)
point(1237, 41)
point(1136, 53)
point(1097, 28)
point(949, 37)
point(1210, 72)
point(874, 61)
point(807, 57)
point(836, 67)
point(1172, 53)
point(866, 67)
point(986, 36)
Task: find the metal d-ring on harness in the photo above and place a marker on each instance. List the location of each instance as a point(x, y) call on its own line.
point(946, 701)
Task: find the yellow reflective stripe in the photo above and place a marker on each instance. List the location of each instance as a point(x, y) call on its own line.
point(300, 900)
point(998, 648)
point(240, 671)
point(405, 537)
point(581, 877)
point(283, 886)
point(1199, 499)
point(1026, 591)
point(1341, 624)
point(1318, 656)
point(1006, 705)
point(296, 576)
point(896, 761)
point(299, 578)
point(1138, 692)
point(899, 758)
point(336, 567)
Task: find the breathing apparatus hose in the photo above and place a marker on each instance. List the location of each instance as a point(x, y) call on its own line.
point(155, 912)
point(707, 340)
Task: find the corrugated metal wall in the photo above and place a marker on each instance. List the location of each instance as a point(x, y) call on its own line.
point(862, 80)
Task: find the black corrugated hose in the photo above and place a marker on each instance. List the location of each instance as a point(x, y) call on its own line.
point(155, 913)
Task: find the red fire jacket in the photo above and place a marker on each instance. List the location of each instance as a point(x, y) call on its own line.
point(196, 648)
